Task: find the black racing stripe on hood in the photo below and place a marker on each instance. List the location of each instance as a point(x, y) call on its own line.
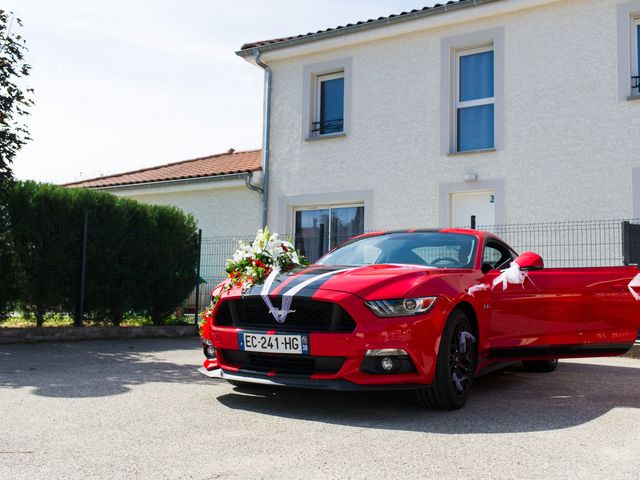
point(304, 275)
point(286, 281)
point(279, 280)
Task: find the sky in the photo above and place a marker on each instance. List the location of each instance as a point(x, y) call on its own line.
point(127, 84)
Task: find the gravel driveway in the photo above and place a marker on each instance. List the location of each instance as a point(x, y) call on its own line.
point(138, 409)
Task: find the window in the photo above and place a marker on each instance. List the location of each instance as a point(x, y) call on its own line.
point(474, 99)
point(319, 229)
point(329, 105)
point(635, 56)
point(496, 256)
point(635, 176)
point(435, 249)
point(326, 104)
point(472, 92)
point(629, 50)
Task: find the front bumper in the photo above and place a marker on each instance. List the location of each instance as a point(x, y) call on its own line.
point(300, 382)
point(419, 336)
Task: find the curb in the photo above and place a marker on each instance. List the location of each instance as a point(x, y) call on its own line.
point(64, 334)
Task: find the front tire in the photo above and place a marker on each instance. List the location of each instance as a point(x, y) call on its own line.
point(455, 367)
point(540, 366)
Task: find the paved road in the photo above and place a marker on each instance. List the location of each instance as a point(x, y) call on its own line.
point(137, 409)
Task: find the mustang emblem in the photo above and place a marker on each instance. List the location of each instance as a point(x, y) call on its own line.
point(280, 314)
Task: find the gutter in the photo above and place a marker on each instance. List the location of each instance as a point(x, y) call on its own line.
point(266, 136)
point(337, 32)
point(246, 176)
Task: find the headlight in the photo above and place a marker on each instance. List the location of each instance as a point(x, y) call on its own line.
point(401, 307)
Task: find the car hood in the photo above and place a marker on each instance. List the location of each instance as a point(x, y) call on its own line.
point(382, 281)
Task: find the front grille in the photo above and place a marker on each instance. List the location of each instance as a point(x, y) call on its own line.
point(282, 363)
point(306, 315)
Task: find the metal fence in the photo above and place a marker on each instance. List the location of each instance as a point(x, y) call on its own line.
point(593, 243)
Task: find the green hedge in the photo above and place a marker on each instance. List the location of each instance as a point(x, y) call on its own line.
point(140, 259)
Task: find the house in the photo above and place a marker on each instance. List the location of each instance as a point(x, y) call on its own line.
point(506, 110)
point(219, 190)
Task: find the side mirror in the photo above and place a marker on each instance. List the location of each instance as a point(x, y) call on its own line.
point(530, 261)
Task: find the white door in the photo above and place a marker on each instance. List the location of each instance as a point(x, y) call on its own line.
point(479, 203)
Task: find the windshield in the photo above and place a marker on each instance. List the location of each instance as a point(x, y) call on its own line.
point(432, 249)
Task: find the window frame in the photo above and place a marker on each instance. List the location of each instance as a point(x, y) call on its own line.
point(635, 60)
point(458, 104)
point(448, 47)
point(628, 16)
point(330, 207)
point(492, 243)
point(317, 107)
point(311, 96)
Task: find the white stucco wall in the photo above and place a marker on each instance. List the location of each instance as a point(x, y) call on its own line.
point(570, 144)
point(220, 210)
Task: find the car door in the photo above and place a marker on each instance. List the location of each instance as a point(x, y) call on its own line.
point(582, 311)
point(561, 312)
point(510, 308)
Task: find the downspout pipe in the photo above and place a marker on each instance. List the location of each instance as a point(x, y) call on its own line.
point(251, 186)
point(266, 135)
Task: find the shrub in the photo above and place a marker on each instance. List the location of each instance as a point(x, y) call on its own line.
point(9, 272)
point(173, 254)
point(46, 241)
point(140, 259)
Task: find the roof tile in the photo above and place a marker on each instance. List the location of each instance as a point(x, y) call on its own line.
point(213, 165)
point(263, 43)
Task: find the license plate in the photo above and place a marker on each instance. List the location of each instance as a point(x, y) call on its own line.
point(276, 343)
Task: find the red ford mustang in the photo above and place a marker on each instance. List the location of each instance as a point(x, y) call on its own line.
point(423, 310)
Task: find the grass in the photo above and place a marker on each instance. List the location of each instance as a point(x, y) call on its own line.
point(19, 320)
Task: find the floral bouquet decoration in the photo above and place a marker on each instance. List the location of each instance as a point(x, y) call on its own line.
point(253, 263)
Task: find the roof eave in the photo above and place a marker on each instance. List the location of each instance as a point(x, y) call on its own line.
point(436, 10)
point(176, 181)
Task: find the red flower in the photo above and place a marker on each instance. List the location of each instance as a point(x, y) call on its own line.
point(259, 264)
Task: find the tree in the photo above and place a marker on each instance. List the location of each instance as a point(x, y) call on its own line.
point(15, 99)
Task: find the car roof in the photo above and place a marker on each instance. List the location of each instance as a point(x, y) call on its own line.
point(480, 234)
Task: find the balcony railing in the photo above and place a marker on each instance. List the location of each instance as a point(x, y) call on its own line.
point(635, 83)
point(327, 126)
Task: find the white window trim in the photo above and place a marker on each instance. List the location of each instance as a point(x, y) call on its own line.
point(310, 97)
point(288, 203)
point(449, 46)
point(635, 191)
point(628, 18)
point(470, 103)
point(319, 79)
point(635, 67)
point(322, 207)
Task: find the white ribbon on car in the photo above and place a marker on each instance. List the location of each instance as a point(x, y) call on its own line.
point(281, 314)
point(512, 275)
point(481, 287)
point(635, 283)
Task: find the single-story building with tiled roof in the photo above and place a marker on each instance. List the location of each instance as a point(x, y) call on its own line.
point(221, 190)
